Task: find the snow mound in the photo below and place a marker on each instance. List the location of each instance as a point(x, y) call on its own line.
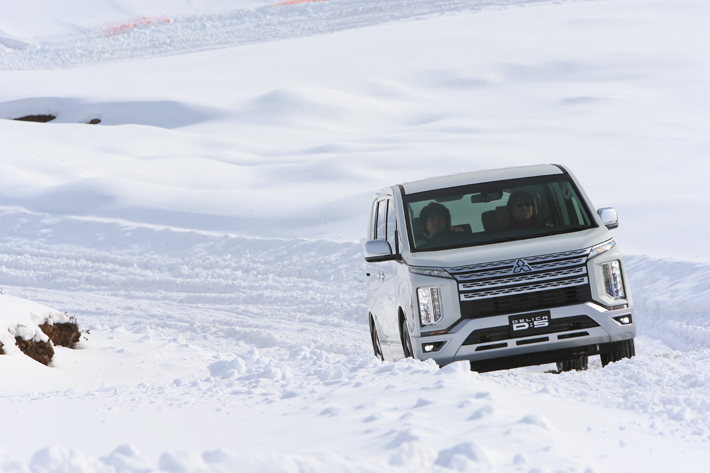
point(671, 298)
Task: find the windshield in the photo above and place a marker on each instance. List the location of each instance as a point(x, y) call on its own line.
point(493, 212)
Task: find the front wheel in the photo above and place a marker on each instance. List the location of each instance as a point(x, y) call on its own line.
point(619, 351)
point(577, 364)
point(406, 340)
point(376, 347)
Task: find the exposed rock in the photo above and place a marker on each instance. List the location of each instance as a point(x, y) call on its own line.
point(64, 335)
point(39, 351)
point(37, 118)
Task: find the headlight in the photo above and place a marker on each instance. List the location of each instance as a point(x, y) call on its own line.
point(613, 283)
point(602, 248)
point(430, 312)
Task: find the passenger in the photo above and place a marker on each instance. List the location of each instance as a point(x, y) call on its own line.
point(436, 218)
point(521, 208)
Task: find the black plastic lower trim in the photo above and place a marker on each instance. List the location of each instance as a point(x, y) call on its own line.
point(502, 332)
point(491, 347)
point(530, 341)
point(542, 357)
point(565, 336)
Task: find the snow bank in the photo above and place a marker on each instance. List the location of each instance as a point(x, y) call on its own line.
point(672, 300)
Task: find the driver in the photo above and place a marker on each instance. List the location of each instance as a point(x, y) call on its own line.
point(436, 218)
point(521, 209)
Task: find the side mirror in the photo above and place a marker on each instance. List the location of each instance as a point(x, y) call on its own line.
point(378, 250)
point(609, 217)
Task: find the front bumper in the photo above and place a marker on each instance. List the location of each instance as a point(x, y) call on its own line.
point(540, 348)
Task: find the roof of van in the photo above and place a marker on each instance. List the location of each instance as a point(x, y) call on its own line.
point(478, 177)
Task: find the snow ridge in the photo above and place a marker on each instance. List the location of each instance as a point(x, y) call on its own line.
point(165, 36)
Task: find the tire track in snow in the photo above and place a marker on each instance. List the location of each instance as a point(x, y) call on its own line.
point(220, 290)
point(234, 28)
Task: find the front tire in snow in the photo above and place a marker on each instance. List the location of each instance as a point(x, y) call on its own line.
point(618, 351)
point(376, 347)
point(578, 364)
point(406, 340)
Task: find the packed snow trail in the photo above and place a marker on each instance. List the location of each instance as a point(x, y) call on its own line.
point(164, 36)
point(231, 293)
point(240, 336)
point(267, 293)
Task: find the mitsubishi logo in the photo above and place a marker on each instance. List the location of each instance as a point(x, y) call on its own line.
point(521, 267)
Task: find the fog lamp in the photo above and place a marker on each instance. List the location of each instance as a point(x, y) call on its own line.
point(613, 283)
point(432, 347)
point(623, 319)
point(430, 311)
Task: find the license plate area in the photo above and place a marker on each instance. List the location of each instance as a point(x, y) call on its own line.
point(524, 325)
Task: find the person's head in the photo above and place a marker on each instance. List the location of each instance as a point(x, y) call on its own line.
point(435, 218)
point(521, 206)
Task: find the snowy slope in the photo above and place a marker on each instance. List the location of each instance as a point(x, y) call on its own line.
point(224, 140)
point(207, 232)
point(267, 360)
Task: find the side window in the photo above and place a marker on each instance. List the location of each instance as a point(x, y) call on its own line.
point(391, 226)
point(381, 219)
point(373, 222)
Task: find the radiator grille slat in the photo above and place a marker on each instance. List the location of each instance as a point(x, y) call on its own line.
point(522, 285)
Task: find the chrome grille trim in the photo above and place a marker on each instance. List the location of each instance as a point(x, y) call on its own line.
point(523, 278)
point(524, 289)
point(531, 260)
point(510, 271)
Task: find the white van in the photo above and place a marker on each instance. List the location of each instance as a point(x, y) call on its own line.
point(504, 268)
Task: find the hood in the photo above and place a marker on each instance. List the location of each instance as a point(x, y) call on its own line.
point(509, 250)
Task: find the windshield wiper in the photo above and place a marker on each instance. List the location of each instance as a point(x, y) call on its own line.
point(574, 228)
point(501, 240)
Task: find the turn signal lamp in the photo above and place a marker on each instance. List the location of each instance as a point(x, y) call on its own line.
point(601, 248)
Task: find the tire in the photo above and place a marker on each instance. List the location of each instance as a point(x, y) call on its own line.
point(578, 364)
point(376, 347)
point(406, 340)
point(620, 350)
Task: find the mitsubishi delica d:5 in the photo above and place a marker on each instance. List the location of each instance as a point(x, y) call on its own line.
point(503, 268)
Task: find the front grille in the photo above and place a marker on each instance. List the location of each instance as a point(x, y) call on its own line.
point(502, 332)
point(522, 285)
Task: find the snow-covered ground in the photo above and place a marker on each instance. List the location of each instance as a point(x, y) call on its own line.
point(208, 230)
